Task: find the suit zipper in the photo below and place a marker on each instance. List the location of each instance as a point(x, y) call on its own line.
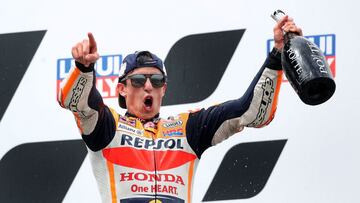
point(155, 170)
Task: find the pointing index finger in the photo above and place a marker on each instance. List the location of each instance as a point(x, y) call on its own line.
point(92, 43)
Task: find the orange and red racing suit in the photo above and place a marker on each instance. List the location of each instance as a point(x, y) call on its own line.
point(134, 160)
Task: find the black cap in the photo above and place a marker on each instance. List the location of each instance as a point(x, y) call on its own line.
point(138, 59)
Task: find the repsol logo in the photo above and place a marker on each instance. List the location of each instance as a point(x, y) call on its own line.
point(151, 177)
point(173, 124)
point(142, 143)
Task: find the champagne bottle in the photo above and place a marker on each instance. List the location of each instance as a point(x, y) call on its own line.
point(305, 67)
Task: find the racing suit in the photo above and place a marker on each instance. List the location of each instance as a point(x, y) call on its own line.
point(154, 160)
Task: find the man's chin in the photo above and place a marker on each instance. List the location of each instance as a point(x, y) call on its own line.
point(147, 115)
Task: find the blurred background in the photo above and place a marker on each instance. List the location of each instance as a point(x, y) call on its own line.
point(42, 158)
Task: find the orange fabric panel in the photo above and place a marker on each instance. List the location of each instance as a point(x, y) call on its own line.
point(191, 172)
point(65, 90)
point(112, 182)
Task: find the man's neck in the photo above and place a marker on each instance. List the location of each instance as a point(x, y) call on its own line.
point(154, 119)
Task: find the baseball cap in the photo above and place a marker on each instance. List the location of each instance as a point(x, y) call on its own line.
point(138, 59)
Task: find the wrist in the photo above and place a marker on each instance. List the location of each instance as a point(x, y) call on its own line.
point(273, 60)
point(276, 53)
point(83, 68)
point(279, 47)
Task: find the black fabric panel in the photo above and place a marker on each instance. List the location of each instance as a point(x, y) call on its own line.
point(244, 170)
point(104, 131)
point(273, 61)
point(83, 68)
point(16, 53)
point(40, 172)
point(105, 127)
point(196, 63)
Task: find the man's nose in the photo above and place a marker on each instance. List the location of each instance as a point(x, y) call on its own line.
point(148, 85)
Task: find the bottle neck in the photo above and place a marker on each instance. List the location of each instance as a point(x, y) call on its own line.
point(289, 35)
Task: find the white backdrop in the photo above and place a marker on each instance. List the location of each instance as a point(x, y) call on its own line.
point(320, 162)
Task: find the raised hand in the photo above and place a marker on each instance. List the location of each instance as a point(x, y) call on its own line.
point(85, 52)
point(286, 24)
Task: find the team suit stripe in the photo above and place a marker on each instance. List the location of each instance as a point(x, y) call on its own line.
point(190, 177)
point(67, 87)
point(276, 97)
point(110, 167)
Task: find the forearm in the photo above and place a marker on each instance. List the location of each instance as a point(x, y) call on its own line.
point(256, 108)
point(265, 93)
point(79, 95)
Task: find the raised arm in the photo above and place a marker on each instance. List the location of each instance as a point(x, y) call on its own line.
point(78, 93)
point(256, 108)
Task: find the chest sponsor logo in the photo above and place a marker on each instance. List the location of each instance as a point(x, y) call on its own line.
point(129, 129)
point(143, 143)
point(127, 121)
point(162, 181)
point(173, 132)
point(173, 124)
point(141, 153)
point(152, 177)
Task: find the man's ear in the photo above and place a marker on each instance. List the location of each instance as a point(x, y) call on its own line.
point(121, 89)
point(164, 89)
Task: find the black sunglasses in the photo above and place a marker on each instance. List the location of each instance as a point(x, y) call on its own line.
point(139, 80)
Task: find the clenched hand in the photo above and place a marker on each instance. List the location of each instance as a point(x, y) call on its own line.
point(85, 52)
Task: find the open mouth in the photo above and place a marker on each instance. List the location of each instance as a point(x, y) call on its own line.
point(148, 101)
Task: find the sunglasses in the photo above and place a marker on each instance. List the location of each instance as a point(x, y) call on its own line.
point(139, 80)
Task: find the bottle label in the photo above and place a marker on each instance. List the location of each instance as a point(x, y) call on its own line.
point(317, 58)
point(295, 59)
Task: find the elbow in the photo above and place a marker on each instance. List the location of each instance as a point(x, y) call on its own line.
point(61, 99)
point(261, 121)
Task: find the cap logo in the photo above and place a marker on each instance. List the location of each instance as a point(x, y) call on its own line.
point(149, 62)
point(122, 69)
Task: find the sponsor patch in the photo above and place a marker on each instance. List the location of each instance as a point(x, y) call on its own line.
point(144, 143)
point(129, 129)
point(173, 124)
point(173, 132)
point(127, 121)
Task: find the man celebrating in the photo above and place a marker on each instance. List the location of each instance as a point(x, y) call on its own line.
point(139, 157)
